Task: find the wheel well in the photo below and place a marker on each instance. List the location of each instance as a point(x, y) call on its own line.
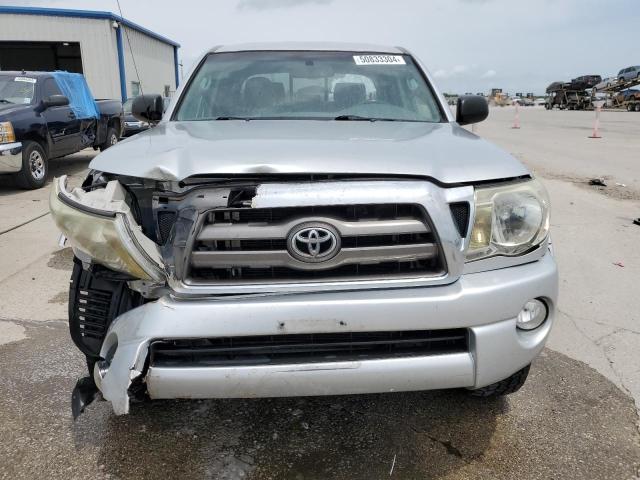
point(34, 137)
point(115, 123)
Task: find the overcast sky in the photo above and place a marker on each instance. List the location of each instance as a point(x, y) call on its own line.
point(469, 45)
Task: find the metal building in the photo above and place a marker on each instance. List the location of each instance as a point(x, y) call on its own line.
point(97, 44)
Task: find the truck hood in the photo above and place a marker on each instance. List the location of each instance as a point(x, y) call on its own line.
point(177, 150)
point(9, 108)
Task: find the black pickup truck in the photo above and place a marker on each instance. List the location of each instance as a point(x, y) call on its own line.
point(45, 115)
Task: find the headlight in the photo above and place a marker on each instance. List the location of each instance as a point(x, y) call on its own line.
point(509, 220)
point(7, 135)
point(100, 224)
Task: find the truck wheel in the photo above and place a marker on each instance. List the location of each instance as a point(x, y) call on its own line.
point(112, 139)
point(637, 107)
point(35, 166)
point(629, 108)
point(503, 387)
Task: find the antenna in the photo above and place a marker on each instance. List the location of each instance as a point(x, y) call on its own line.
point(133, 58)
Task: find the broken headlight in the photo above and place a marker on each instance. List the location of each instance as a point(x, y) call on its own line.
point(509, 219)
point(100, 224)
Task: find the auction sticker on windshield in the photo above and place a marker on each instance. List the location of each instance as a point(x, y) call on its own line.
point(24, 79)
point(379, 60)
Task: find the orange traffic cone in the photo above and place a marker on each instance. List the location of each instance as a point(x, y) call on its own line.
point(596, 124)
point(516, 119)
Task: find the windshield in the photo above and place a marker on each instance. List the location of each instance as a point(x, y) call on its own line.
point(17, 89)
point(308, 85)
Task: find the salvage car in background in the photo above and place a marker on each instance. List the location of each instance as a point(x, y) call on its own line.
point(584, 82)
point(606, 83)
point(306, 219)
point(629, 73)
point(628, 94)
point(628, 99)
point(50, 115)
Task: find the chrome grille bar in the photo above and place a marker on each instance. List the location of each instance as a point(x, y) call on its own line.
point(281, 258)
point(249, 231)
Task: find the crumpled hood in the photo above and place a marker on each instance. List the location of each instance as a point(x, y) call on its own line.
point(177, 150)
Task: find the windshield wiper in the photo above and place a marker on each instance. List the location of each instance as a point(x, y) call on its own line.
point(233, 118)
point(4, 100)
point(359, 118)
point(355, 118)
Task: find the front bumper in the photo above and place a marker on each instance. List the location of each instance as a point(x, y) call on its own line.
point(130, 130)
point(10, 157)
point(486, 303)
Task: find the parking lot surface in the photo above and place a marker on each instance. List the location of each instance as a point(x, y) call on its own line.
point(575, 418)
point(567, 422)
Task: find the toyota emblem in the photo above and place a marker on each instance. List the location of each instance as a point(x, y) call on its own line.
point(313, 242)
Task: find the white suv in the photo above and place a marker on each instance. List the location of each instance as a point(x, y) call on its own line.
point(629, 73)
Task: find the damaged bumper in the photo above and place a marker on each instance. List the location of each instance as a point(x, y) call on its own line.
point(485, 305)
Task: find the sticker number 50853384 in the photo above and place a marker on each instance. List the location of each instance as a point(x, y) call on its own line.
point(379, 60)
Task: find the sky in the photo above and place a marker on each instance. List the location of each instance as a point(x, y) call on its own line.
point(468, 45)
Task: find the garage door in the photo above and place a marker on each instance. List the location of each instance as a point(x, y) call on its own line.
point(41, 56)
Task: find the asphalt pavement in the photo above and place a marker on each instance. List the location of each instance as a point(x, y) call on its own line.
point(567, 422)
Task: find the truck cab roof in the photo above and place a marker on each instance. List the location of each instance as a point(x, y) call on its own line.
point(26, 73)
point(308, 46)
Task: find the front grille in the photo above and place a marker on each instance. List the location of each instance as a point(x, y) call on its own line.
point(305, 348)
point(245, 245)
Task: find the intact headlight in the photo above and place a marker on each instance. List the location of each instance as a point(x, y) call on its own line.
point(7, 134)
point(509, 219)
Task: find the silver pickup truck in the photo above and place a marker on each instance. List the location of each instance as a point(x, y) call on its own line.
point(306, 219)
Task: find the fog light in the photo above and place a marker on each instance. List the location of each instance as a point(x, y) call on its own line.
point(532, 315)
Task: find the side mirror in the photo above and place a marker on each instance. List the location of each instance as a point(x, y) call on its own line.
point(55, 101)
point(471, 109)
point(147, 108)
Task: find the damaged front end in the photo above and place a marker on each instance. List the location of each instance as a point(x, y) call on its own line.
point(131, 239)
point(171, 277)
point(112, 255)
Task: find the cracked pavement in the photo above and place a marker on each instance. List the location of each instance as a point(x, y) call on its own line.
point(575, 418)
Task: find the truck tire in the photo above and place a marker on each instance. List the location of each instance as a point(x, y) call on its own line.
point(637, 107)
point(504, 387)
point(111, 140)
point(630, 108)
point(35, 166)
